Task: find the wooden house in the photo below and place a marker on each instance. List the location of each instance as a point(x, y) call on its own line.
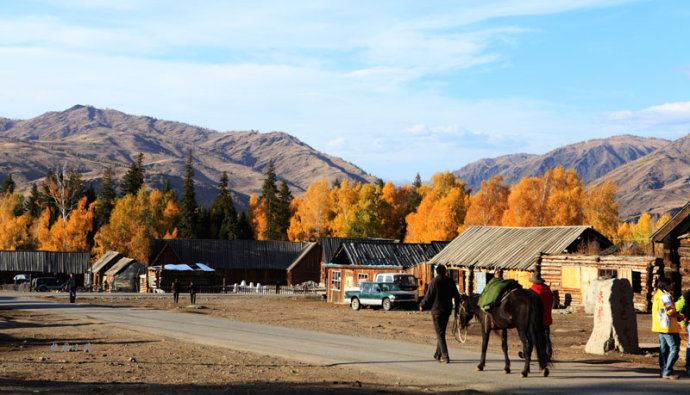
point(44, 264)
point(160, 277)
point(258, 261)
point(123, 276)
point(667, 242)
point(354, 262)
point(98, 269)
point(569, 276)
point(330, 245)
point(475, 255)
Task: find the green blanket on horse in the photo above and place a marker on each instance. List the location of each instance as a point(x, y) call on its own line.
point(494, 291)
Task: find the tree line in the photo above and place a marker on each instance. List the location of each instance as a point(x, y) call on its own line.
point(63, 213)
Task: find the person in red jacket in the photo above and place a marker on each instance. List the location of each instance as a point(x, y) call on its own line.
point(546, 296)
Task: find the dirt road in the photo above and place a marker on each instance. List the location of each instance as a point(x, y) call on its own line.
point(401, 361)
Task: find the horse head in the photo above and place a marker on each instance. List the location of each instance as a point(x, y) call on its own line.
point(466, 310)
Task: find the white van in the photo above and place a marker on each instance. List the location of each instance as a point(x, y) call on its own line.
point(405, 281)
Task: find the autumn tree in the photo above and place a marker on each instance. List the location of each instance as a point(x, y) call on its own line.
point(396, 204)
point(441, 212)
point(188, 216)
point(489, 204)
point(133, 179)
point(15, 230)
point(63, 189)
point(66, 235)
point(311, 220)
point(136, 220)
point(366, 220)
point(601, 210)
point(343, 201)
point(257, 218)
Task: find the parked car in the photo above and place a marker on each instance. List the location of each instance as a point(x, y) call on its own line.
point(21, 278)
point(385, 295)
point(44, 284)
point(406, 281)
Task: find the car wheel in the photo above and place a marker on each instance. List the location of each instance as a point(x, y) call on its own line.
point(42, 288)
point(386, 304)
point(354, 303)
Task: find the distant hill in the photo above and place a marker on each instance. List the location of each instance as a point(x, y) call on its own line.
point(658, 182)
point(474, 173)
point(90, 139)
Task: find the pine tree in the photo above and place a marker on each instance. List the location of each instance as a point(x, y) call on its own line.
point(133, 180)
point(283, 213)
point(8, 185)
point(168, 189)
point(415, 196)
point(106, 198)
point(270, 203)
point(33, 203)
point(244, 226)
point(188, 216)
point(223, 214)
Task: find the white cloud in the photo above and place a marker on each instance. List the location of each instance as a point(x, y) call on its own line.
point(673, 118)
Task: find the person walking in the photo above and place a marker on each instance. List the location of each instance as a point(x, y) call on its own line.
point(175, 288)
point(441, 295)
point(544, 292)
point(72, 288)
point(192, 292)
point(665, 323)
point(683, 309)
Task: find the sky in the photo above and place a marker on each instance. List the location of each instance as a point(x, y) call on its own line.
point(396, 87)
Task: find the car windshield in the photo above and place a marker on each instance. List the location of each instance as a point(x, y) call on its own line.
point(406, 280)
point(387, 287)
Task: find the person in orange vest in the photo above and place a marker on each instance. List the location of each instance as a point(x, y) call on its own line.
point(665, 323)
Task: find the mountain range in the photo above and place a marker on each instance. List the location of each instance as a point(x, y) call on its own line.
point(90, 139)
point(652, 175)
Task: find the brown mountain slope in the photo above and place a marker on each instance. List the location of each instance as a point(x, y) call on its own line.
point(658, 182)
point(91, 139)
point(476, 172)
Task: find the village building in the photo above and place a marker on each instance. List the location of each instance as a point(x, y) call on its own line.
point(330, 245)
point(123, 276)
point(105, 262)
point(670, 242)
point(357, 261)
point(234, 261)
point(44, 264)
point(475, 255)
point(160, 278)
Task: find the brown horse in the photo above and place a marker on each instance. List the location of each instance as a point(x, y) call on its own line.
point(520, 309)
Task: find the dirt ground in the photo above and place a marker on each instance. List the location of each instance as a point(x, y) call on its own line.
point(569, 332)
point(125, 361)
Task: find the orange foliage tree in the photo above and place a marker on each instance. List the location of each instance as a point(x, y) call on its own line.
point(489, 204)
point(257, 217)
point(601, 210)
point(441, 212)
point(312, 213)
point(136, 221)
point(397, 203)
point(68, 235)
point(15, 230)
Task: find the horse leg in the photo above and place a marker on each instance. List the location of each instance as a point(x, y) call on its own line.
point(526, 350)
point(486, 331)
point(504, 346)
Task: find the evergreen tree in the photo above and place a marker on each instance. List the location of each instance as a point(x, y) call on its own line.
point(223, 217)
point(283, 214)
point(379, 183)
point(168, 189)
point(33, 203)
point(133, 180)
point(415, 197)
point(244, 226)
point(271, 205)
point(188, 215)
point(8, 185)
point(105, 199)
point(336, 183)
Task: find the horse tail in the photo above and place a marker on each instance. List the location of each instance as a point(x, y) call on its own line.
point(536, 330)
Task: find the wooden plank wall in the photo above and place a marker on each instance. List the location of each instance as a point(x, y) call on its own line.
point(684, 255)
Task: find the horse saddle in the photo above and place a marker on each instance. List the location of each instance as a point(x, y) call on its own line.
point(495, 291)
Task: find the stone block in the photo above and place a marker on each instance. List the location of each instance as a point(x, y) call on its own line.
point(615, 322)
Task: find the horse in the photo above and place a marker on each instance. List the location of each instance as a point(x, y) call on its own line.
point(521, 309)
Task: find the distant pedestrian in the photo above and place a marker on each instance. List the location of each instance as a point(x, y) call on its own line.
point(175, 288)
point(665, 323)
point(441, 295)
point(683, 309)
point(105, 286)
point(72, 288)
point(546, 296)
point(192, 292)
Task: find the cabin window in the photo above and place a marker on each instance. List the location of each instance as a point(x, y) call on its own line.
point(637, 282)
point(335, 280)
point(362, 277)
point(608, 273)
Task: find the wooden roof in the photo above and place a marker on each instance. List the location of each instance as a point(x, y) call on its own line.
point(330, 245)
point(105, 260)
point(44, 261)
point(403, 255)
point(517, 248)
point(119, 266)
point(678, 225)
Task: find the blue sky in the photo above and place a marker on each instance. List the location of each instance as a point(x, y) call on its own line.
point(397, 87)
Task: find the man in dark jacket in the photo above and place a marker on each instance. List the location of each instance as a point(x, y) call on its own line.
point(192, 292)
point(175, 288)
point(72, 288)
point(441, 295)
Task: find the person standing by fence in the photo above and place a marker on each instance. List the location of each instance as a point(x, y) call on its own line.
point(440, 297)
point(175, 288)
point(665, 323)
point(192, 292)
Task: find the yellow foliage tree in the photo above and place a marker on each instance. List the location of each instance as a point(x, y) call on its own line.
point(68, 235)
point(257, 214)
point(601, 210)
point(15, 231)
point(441, 212)
point(526, 204)
point(397, 203)
point(343, 204)
point(489, 204)
point(311, 219)
point(135, 222)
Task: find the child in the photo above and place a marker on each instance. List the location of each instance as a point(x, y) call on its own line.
point(683, 308)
